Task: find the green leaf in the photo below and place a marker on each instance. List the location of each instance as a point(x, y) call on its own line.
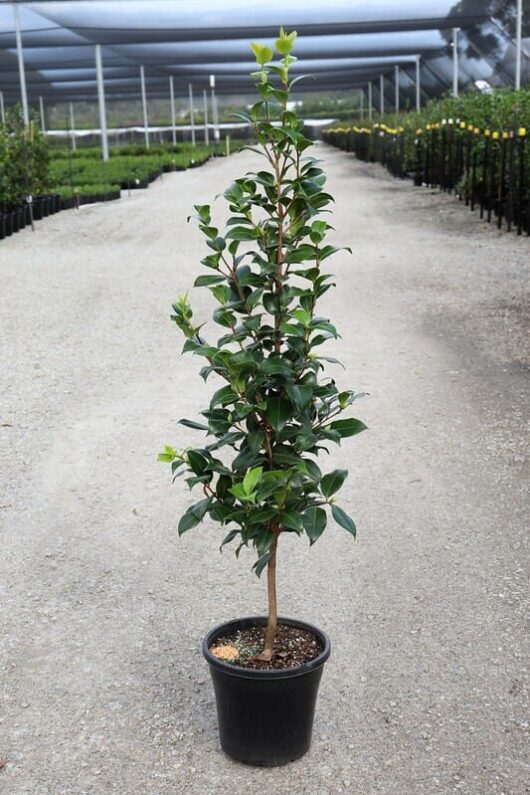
point(228, 537)
point(327, 251)
point(271, 303)
point(302, 316)
point(195, 425)
point(284, 44)
point(333, 481)
point(168, 455)
point(263, 53)
point(344, 520)
point(279, 411)
point(315, 520)
point(276, 366)
point(292, 520)
point(255, 441)
point(318, 230)
point(239, 491)
point(300, 395)
point(224, 397)
point(203, 211)
point(301, 254)
point(251, 479)
point(241, 233)
point(207, 281)
point(261, 562)
point(349, 427)
point(193, 516)
point(331, 360)
point(261, 516)
point(234, 193)
point(164, 458)
point(197, 461)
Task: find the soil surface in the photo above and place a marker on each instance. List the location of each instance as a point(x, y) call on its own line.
point(103, 608)
point(293, 646)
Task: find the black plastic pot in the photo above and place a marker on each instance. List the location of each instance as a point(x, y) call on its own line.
point(265, 717)
point(37, 208)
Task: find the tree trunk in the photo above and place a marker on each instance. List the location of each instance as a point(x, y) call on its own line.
point(272, 619)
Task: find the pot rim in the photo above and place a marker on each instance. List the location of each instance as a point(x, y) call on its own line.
point(260, 674)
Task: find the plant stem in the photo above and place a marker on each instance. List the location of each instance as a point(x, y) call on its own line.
point(272, 619)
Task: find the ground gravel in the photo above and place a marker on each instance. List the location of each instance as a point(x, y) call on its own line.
point(103, 685)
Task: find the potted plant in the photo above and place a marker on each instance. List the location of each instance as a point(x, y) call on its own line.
point(274, 412)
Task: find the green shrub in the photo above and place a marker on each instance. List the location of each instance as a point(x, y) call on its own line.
point(24, 159)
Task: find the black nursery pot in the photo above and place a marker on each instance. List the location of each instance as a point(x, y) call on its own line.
point(37, 208)
point(265, 717)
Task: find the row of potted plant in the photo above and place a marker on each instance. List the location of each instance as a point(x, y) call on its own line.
point(88, 194)
point(24, 174)
point(135, 150)
point(492, 114)
point(77, 181)
point(13, 218)
point(130, 171)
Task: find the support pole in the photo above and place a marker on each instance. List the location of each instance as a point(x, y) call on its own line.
point(455, 61)
point(172, 103)
point(101, 104)
point(192, 115)
point(382, 95)
point(418, 96)
point(42, 115)
point(72, 127)
point(2, 108)
point(21, 68)
point(518, 43)
point(396, 87)
point(144, 107)
point(215, 113)
point(370, 100)
point(206, 131)
point(362, 104)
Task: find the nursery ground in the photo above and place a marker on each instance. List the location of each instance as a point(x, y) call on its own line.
point(103, 607)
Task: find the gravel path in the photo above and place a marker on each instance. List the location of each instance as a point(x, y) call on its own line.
point(105, 689)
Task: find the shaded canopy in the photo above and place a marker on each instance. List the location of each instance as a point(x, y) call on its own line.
point(343, 44)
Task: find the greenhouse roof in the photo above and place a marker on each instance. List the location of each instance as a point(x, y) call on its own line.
point(343, 44)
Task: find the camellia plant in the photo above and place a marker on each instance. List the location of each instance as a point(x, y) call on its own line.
point(276, 410)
